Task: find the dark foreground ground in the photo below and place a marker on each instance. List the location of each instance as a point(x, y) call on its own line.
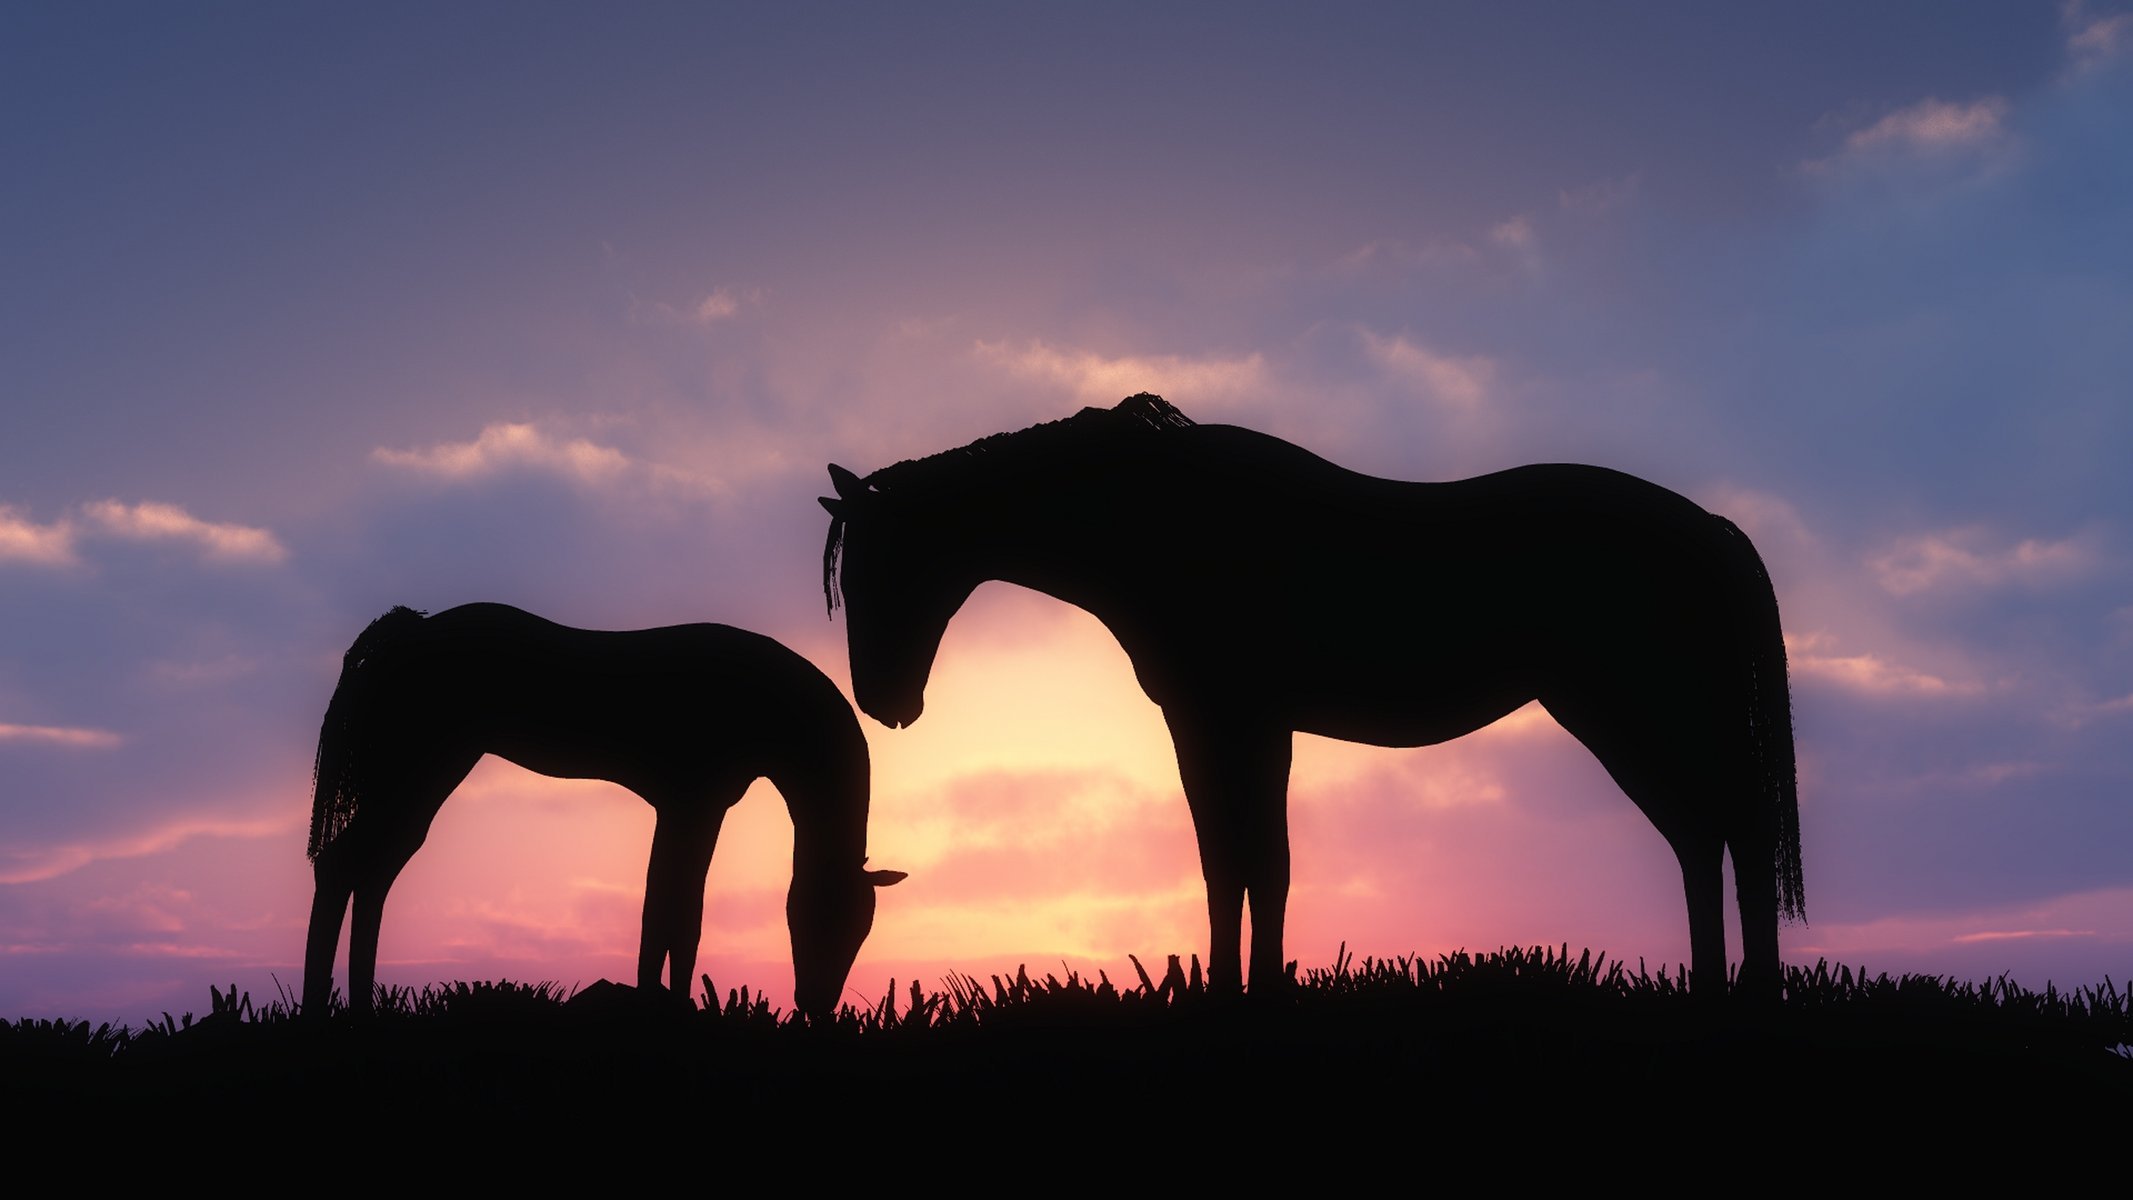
point(1525, 1066)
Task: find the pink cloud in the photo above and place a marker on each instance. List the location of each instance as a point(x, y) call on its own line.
point(64, 736)
point(1870, 674)
point(1970, 558)
point(1463, 384)
point(41, 863)
point(1931, 130)
point(1099, 380)
point(25, 541)
point(56, 544)
point(2097, 41)
point(151, 521)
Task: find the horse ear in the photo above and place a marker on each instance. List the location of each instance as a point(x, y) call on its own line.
point(849, 486)
point(834, 507)
point(885, 878)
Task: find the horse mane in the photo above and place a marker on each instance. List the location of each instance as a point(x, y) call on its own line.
point(1091, 429)
point(336, 776)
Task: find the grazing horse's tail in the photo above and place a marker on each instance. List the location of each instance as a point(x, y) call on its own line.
point(1770, 718)
point(336, 775)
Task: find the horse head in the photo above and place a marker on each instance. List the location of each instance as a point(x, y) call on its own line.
point(829, 916)
point(900, 589)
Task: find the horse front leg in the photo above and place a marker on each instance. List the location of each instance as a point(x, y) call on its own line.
point(683, 840)
point(363, 944)
point(1236, 783)
point(1265, 820)
point(329, 907)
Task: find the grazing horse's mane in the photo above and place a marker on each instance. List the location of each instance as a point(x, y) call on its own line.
point(1092, 428)
point(336, 773)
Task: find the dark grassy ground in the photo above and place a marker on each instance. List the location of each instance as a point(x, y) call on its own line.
point(1511, 1058)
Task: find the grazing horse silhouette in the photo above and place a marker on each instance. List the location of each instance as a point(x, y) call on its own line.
point(686, 716)
point(1260, 590)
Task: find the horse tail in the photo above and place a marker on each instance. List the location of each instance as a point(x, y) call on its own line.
point(1770, 723)
point(336, 775)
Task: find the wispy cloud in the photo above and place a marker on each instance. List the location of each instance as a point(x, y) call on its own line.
point(1097, 379)
point(1870, 674)
point(1461, 383)
point(67, 737)
point(1931, 128)
point(2094, 41)
point(2006, 935)
point(218, 542)
point(50, 862)
point(57, 544)
point(1967, 558)
point(1397, 254)
point(518, 446)
point(503, 446)
point(1767, 519)
point(1600, 196)
point(719, 304)
point(25, 541)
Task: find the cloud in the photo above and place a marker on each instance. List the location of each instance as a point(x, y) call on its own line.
point(720, 304)
point(1929, 129)
point(1464, 384)
point(56, 544)
point(1963, 557)
point(1515, 233)
point(23, 540)
point(2078, 714)
point(50, 862)
point(506, 447)
point(69, 737)
point(2002, 935)
point(1866, 673)
point(1767, 519)
point(1600, 196)
point(1933, 125)
point(1095, 379)
point(2098, 40)
point(1991, 935)
point(149, 521)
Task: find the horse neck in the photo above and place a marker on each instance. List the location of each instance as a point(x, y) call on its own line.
point(826, 794)
point(1071, 546)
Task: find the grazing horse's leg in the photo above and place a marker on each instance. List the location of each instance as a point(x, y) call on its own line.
point(1703, 881)
point(390, 838)
point(1236, 779)
point(329, 908)
point(683, 839)
point(1755, 887)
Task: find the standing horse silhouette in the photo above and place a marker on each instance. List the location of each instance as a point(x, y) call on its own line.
point(686, 716)
point(1260, 590)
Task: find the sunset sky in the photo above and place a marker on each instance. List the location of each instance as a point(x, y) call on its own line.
point(307, 311)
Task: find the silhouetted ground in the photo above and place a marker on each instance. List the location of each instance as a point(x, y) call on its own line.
point(1518, 1065)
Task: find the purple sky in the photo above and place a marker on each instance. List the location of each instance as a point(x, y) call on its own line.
point(307, 312)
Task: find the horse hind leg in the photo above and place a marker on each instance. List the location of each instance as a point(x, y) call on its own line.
point(1755, 889)
point(1675, 795)
point(1703, 882)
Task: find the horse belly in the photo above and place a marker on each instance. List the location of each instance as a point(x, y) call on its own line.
point(1418, 718)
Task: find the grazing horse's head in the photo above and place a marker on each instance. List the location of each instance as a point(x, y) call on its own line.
point(830, 915)
point(901, 584)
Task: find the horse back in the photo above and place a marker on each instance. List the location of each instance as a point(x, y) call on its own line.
point(680, 706)
point(1409, 611)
